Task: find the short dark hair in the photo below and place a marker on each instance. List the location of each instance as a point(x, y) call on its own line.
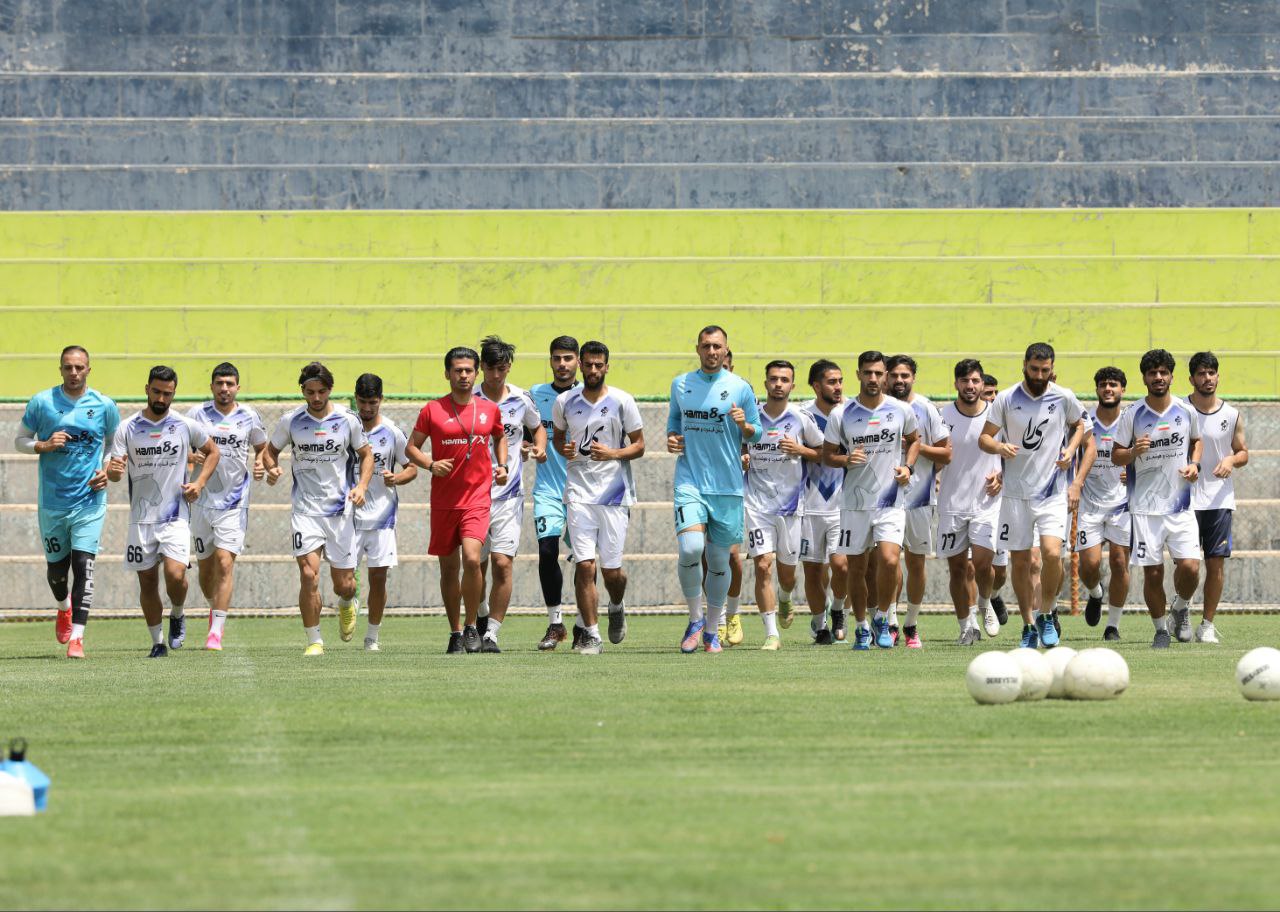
point(563, 343)
point(989, 380)
point(369, 386)
point(1039, 351)
point(460, 351)
point(712, 328)
point(1202, 359)
point(870, 357)
point(1157, 357)
point(1110, 373)
point(74, 348)
point(493, 351)
point(594, 348)
point(966, 366)
point(163, 374)
point(897, 360)
point(780, 363)
point(316, 371)
point(225, 369)
point(818, 369)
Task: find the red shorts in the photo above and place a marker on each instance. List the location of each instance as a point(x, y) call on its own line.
point(450, 527)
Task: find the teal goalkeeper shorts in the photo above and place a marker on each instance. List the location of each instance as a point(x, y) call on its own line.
point(720, 513)
point(77, 529)
point(548, 517)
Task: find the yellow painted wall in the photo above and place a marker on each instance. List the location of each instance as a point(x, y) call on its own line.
point(391, 291)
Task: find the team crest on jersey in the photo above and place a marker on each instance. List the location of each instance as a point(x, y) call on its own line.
point(1224, 421)
point(604, 411)
point(1177, 419)
point(1051, 407)
point(724, 394)
point(89, 414)
point(484, 419)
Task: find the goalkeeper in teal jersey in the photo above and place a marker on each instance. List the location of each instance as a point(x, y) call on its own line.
point(712, 414)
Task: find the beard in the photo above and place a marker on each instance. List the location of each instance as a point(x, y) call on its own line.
point(593, 384)
point(1036, 386)
point(158, 408)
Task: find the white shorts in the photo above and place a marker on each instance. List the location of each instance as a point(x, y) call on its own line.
point(148, 541)
point(1024, 522)
point(218, 529)
point(959, 533)
point(335, 534)
point(1093, 528)
point(1001, 559)
point(860, 529)
point(504, 528)
point(1179, 532)
point(819, 535)
point(768, 533)
point(377, 547)
point(598, 531)
point(918, 535)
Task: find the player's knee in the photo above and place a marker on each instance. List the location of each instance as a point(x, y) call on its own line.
point(56, 574)
point(764, 564)
point(584, 571)
point(691, 547)
point(549, 549)
point(613, 576)
point(718, 557)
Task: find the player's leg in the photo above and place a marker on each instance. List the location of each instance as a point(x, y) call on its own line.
point(888, 561)
point(376, 605)
point(958, 568)
point(378, 548)
point(1182, 539)
point(501, 583)
point(690, 512)
point(309, 600)
point(983, 575)
point(1148, 553)
point(1091, 577)
point(730, 629)
point(451, 593)
point(1117, 588)
point(472, 590)
point(55, 534)
point(175, 584)
point(549, 519)
point(1051, 574)
point(152, 608)
point(584, 590)
point(1215, 543)
point(856, 584)
point(725, 529)
point(611, 542)
point(340, 551)
point(836, 591)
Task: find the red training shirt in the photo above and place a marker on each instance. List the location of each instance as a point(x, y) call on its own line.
point(463, 434)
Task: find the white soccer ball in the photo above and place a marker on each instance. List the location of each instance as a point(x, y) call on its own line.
point(1058, 657)
point(1258, 674)
point(1037, 673)
point(1096, 674)
point(993, 677)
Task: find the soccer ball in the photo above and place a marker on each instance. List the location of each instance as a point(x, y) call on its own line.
point(1058, 657)
point(1096, 674)
point(1037, 673)
point(993, 677)
point(1258, 674)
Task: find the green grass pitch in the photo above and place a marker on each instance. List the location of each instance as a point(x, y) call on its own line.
point(809, 778)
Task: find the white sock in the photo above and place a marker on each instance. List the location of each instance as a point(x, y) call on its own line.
point(913, 614)
point(880, 615)
point(984, 602)
point(313, 635)
point(77, 631)
point(372, 632)
point(554, 615)
point(484, 609)
point(784, 595)
point(617, 607)
point(1096, 591)
point(344, 602)
point(1113, 615)
point(864, 624)
point(963, 622)
point(218, 622)
point(65, 604)
point(972, 619)
point(1180, 604)
point(731, 606)
point(578, 621)
point(157, 633)
point(1162, 622)
point(715, 614)
point(594, 631)
point(695, 608)
point(492, 630)
point(831, 601)
point(770, 619)
point(175, 611)
point(822, 621)
point(893, 615)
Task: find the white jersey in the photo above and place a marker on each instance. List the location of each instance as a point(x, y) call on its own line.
point(609, 421)
point(518, 414)
point(1038, 427)
point(157, 462)
point(1103, 491)
point(388, 444)
point(1155, 487)
point(774, 481)
point(821, 482)
point(325, 458)
point(921, 490)
point(237, 436)
point(879, 432)
point(1217, 428)
point(963, 489)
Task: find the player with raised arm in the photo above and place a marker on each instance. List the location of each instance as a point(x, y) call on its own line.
point(1104, 510)
point(599, 432)
point(461, 426)
point(506, 510)
point(375, 519)
point(1213, 496)
point(69, 427)
point(712, 413)
point(826, 571)
point(548, 494)
point(153, 446)
point(874, 439)
point(1032, 419)
point(774, 491)
point(328, 446)
point(220, 517)
point(1158, 439)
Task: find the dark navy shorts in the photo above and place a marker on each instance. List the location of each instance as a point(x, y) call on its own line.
point(1215, 532)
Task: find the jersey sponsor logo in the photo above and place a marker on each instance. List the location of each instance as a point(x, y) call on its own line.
point(886, 435)
point(1033, 436)
point(326, 446)
point(1172, 440)
point(168, 448)
point(713, 414)
point(227, 440)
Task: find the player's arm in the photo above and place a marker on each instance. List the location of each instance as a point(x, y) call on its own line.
point(746, 415)
point(257, 470)
point(902, 474)
point(1078, 432)
point(1239, 452)
point(499, 453)
point(938, 452)
point(1191, 471)
point(833, 458)
point(1087, 459)
point(675, 424)
point(537, 450)
point(988, 444)
point(1125, 454)
point(365, 452)
point(27, 442)
point(116, 455)
point(209, 461)
point(408, 472)
point(633, 450)
point(413, 450)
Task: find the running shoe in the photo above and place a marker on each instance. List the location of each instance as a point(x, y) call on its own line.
point(1162, 640)
point(347, 615)
point(1111, 634)
point(1207, 633)
point(861, 638)
point(158, 651)
point(772, 643)
point(177, 631)
point(1093, 610)
point(1047, 631)
point(314, 649)
point(1002, 613)
point(617, 626)
point(590, 646)
point(1030, 640)
point(62, 626)
point(710, 642)
point(786, 613)
point(75, 648)
point(839, 624)
point(470, 639)
point(884, 639)
point(734, 627)
point(213, 641)
point(555, 635)
point(913, 637)
point(455, 643)
point(692, 634)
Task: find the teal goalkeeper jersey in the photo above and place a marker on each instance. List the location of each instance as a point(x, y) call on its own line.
point(89, 423)
point(549, 482)
point(700, 404)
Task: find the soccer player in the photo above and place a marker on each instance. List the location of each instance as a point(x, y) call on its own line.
point(711, 414)
point(874, 438)
point(826, 571)
point(506, 511)
point(221, 515)
point(999, 566)
point(1213, 495)
point(599, 432)
point(69, 426)
point(1159, 439)
point(548, 494)
point(1104, 510)
point(461, 426)
point(375, 519)
point(327, 442)
point(921, 494)
point(154, 445)
point(968, 505)
point(730, 629)
point(774, 489)
point(1033, 418)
